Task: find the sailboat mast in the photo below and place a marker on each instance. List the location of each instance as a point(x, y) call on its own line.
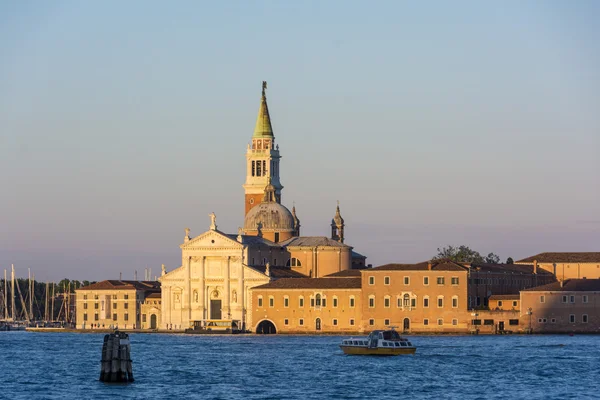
point(52, 307)
point(5, 296)
point(23, 304)
point(30, 295)
point(46, 303)
point(12, 293)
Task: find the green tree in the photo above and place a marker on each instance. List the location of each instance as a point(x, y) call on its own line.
point(459, 254)
point(509, 260)
point(492, 259)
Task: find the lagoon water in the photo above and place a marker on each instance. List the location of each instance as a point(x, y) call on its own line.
point(67, 366)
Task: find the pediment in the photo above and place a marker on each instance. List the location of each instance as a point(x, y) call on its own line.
point(212, 239)
point(176, 274)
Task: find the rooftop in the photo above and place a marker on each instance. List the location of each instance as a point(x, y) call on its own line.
point(591, 257)
point(123, 285)
point(349, 273)
point(436, 265)
point(569, 285)
point(312, 241)
point(505, 297)
point(508, 268)
point(313, 283)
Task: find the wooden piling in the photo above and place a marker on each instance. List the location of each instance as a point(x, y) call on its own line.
point(116, 358)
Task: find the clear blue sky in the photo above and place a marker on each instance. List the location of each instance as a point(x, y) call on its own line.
point(433, 123)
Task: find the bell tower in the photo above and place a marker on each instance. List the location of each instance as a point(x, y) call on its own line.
point(262, 159)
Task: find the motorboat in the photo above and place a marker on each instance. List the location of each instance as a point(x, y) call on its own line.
point(378, 343)
point(215, 327)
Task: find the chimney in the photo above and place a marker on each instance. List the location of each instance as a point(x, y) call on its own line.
point(562, 283)
point(429, 266)
point(535, 266)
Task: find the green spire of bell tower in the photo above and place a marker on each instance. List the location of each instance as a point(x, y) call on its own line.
point(263, 127)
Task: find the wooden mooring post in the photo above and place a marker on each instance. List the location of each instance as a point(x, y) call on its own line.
point(116, 358)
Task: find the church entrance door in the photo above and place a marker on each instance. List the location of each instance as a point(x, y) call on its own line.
point(153, 321)
point(215, 309)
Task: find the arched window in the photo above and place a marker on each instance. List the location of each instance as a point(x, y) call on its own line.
point(440, 300)
point(371, 301)
point(253, 168)
point(286, 301)
point(293, 262)
point(300, 301)
point(426, 302)
point(386, 301)
point(195, 296)
point(258, 168)
point(318, 300)
point(351, 301)
point(406, 300)
point(335, 301)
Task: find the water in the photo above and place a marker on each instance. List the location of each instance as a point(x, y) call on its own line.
point(67, 366)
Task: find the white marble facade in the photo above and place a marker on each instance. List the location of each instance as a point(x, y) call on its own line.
point(213, 281)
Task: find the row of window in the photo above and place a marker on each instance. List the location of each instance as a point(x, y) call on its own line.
point(258, 144)
point(386, 322)
point(572, 319)
point(316, 301)
point(114, 296)
point(114, 317)
point(292, 262)
point(408, 301)
point(491, 322)
point(401, 302)
point(97, 306)
point(334, 322)
point(498, 281)
point(259, 168)
point(440, 280)
point(567, 299)
point(514, 303)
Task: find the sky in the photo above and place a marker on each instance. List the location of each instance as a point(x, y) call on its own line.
point(433, 124)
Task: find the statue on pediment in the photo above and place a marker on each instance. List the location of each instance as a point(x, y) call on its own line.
point(213, 221)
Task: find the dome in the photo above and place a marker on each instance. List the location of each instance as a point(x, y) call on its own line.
point(273, 216)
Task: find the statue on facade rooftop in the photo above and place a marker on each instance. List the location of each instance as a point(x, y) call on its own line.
point(213, 221)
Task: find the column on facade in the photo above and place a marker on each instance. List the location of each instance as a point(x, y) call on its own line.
point(240, 290)
point(227, 294)
point(166, 306)
point(201, 294)
point(188, 288)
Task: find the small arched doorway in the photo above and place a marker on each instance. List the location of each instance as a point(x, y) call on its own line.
point(406, 324)
point(153, 321)
point(266, 328)
point(318, 324)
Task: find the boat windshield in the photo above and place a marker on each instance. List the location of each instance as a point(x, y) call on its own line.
point(391, 335)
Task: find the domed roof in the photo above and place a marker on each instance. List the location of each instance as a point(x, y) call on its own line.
point(271, 215)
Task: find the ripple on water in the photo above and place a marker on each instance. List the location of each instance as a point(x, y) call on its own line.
point(58, 366)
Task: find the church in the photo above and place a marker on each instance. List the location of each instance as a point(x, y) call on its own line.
point(219, 269)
